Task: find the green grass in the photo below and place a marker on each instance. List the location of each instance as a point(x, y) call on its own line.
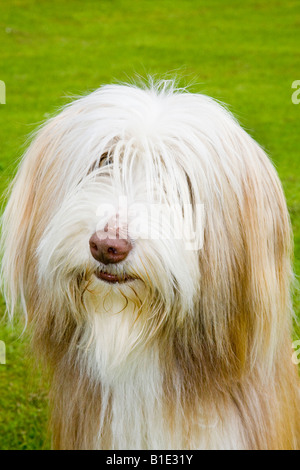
point(245, 54)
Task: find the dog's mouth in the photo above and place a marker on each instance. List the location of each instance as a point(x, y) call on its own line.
point(113, 278)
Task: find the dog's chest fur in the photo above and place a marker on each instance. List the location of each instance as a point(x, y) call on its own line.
point(141, 415)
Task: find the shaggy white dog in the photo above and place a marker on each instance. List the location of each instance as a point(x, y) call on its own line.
point(148, 242)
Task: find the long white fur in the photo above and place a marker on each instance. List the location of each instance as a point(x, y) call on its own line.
point(157, 136)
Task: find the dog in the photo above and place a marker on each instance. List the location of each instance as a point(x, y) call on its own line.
point(147, 239)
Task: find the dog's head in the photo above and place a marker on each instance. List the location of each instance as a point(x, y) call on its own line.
point(152, 200)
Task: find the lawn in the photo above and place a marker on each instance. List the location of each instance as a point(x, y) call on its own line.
point(245, 54)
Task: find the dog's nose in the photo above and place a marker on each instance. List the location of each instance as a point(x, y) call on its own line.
point(109, 250)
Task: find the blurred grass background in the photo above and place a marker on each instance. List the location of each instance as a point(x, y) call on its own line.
point(245, 54)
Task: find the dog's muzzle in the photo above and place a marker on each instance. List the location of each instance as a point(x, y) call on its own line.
point(110, 249)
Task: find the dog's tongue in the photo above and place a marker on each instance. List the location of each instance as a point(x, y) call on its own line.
point(112, 278)
point(108, 277)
